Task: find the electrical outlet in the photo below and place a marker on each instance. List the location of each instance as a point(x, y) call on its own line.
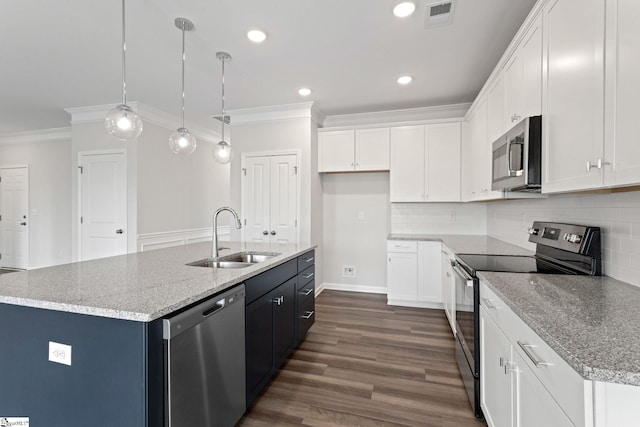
point(348, 271)
point(59, 353)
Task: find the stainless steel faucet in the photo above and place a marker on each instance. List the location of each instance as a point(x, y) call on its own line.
point(214, 246)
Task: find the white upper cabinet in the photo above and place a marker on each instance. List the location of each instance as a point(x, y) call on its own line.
point(443, 162)
point(372, 149)
point(573, 95)
point(496, 125)
point(622, 145)
point(353, 150)
point(523, 78)
point(425, 163)
point(407, 169)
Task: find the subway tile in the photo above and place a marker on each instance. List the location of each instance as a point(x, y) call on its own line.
point(631, 246)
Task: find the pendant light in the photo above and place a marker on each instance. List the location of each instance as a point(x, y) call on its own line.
point(182, 141)
point(222, 152)
point(122, 122)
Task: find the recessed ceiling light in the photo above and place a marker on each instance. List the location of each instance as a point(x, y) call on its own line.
point(404, 9)
point(404, 80)
point(305, 91)
point(256, 36)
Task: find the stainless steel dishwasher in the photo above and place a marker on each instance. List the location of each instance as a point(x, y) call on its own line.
point(205, 363)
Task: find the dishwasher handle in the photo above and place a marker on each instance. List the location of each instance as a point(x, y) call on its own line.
point(185, 320)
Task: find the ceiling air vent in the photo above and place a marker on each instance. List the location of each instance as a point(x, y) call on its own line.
point(440, 13)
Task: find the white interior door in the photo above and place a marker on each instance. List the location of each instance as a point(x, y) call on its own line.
point(270, 198)
point(255, 194)
point(283, 199)
point(103, 205)
point(14, 224)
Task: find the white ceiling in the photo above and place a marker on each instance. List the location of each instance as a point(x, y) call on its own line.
point(63, 54)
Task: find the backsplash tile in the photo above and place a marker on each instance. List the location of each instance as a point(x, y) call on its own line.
point(439, 218)
point(617, 214)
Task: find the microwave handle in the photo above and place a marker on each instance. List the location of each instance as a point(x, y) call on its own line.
point(510, 143)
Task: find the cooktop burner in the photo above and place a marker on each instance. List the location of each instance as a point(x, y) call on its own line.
point(508, 263)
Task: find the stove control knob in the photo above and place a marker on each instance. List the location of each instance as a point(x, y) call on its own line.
point(566, 237)
point(575, 238)
point(533, 231)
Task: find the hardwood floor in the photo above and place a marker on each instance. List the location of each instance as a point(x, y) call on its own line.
point(364, 363)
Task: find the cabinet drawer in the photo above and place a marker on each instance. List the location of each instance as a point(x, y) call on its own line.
point(306, 276)
point(306, 292)
point(305, 260)
point(402, 246)
point(564, 384)
point(306, 317)
point(259, 285)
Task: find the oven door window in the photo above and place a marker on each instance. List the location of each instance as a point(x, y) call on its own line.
point(465, 316)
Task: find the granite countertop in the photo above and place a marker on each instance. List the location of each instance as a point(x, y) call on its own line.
point(467, 244)
point(140, 287)
point(593, 323)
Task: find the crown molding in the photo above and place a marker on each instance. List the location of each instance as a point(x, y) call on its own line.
point(149, 114)
point(307, 110)
point(411, 115)
point(42, 135)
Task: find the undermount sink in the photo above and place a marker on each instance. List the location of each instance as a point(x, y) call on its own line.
point(237, 260)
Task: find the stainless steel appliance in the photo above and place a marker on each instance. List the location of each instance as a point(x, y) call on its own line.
point(205, 363)
point(517, 157)
point(560, 249)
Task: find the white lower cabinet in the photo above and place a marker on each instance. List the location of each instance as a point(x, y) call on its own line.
point(448, 286)
point(413, 274)
point(496, 392)
point(523, 382)
point(402, 271)
point(534, 406)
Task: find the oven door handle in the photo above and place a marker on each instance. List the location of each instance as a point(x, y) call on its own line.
point(460, 272)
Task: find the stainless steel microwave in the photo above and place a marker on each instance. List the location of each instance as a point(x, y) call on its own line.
point(517, 157)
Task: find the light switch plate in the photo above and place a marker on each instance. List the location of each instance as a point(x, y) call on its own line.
point(59, 353)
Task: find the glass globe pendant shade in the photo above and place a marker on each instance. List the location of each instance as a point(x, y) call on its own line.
point(123, 123)
point(222, 152)
point(182, 142)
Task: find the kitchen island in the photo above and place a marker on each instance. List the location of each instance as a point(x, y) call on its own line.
point(109, 311)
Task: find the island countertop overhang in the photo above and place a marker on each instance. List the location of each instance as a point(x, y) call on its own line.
point(139, 287)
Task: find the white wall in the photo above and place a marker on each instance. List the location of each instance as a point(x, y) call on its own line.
point(279, 135)
point(349, 240)
point(177, 192)
point(439, 218)
point(49, 193)
point(618, 215)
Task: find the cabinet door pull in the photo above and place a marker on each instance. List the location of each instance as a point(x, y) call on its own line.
point(309, 276)
point(306, 292)
point(308, 259)
point(527, 350)
point(490, 305)
point(307, 314)
point(278, 300)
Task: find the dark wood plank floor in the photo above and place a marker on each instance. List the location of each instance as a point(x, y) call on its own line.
point(364, 363)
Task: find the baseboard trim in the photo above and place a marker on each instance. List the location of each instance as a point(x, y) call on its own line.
point(416, 304)
point(354, 288)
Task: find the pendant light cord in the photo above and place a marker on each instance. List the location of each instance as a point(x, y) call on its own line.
point(124, 60)
point(223, 61)
point(183, 57)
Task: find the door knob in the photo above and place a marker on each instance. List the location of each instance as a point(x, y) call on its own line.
point(265, 232)
point(273, 232)
point(119, 231)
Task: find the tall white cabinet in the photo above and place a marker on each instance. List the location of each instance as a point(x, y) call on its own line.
point(573, 95)
point(425, 163)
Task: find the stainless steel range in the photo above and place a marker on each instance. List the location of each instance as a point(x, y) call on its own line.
point(560, 249)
